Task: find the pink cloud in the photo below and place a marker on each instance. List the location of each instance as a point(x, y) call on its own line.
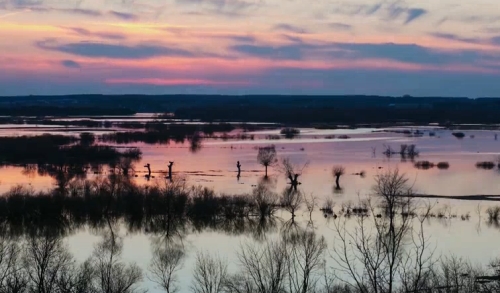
point(172, 82)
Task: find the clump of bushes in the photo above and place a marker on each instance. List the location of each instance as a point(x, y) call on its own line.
point(443, 165)
point(487, 165)
point(290, 132)
point(425, 165)
point(458, 134)
point(87, 138)
point(344, 136)
point(493, 213)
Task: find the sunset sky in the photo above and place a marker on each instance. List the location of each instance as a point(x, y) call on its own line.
point(427, 47)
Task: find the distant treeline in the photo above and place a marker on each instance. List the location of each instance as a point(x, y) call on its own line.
point(50, 149)
point(266, 108)
point(163, 133)
point(55, 110)
point(443, 114)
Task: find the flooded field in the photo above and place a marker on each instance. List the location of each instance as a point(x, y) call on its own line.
point(460, 192)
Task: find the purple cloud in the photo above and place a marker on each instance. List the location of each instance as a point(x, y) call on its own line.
point(124, 15)
point(414, 13)
point(70, 64)
point(289, 28)
point(100, 50)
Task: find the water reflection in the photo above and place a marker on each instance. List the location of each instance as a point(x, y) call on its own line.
point(195, 142)
point(167, 209)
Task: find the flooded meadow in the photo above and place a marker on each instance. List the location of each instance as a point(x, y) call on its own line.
point(200, 206)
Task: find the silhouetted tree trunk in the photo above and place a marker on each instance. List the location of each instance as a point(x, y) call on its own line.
point(170, 170)
point(337, 179)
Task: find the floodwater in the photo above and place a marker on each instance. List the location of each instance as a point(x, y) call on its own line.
point(214, 166)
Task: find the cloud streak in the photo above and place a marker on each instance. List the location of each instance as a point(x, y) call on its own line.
point(124, 15)
point(389, 11)
point(414, 13)
point(175, 82)
point(289, 28)
point(101, 50)
point(340, 26)
point(103, 35)
point(292, 52)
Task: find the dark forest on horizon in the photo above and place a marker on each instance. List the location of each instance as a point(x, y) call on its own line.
point(299, 110)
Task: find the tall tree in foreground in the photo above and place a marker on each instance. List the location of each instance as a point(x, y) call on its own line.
point(113, 274)
point(164, 267)
point(291, 264)
point(388, 253)
point(267, 156)
point(45, 261)
point(210, 274)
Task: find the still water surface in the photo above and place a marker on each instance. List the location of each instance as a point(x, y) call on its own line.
point(214, 166)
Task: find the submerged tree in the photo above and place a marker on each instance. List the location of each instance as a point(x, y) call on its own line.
point(292, 171)
point(292, 200)
point(338, 171)
point(267, 156)
point(264, 200)
point(126, 165)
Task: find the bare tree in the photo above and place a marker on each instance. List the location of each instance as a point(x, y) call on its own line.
point(453, 274)
point(292, 171)
point(12, 276)
point(126, 165)
point(46, 260)
point(377, 255)
point(164, 267)
point(311, 204)
point(113, 275)
point(292, 200)
point(267, 156)
point(263, 268)
point(77, 280)
point(338, 171)
point(306, 259)
point(264, 200)
point(210, 274)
